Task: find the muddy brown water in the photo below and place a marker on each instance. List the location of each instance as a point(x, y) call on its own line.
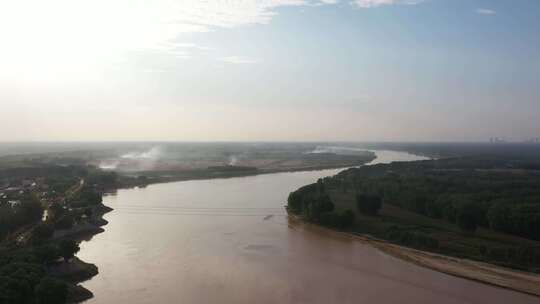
point(230, 241)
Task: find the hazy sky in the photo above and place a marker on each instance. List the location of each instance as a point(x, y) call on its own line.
point(269, 70)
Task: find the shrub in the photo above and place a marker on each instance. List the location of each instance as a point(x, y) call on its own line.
point(368, 204)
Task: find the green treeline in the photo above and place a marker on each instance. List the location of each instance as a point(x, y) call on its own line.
point(24, 277)
point(498, 194)
point(314, 204)
point(504, 200)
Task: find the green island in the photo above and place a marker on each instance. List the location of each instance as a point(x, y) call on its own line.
point(477, 216)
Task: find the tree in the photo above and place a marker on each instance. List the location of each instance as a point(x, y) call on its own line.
point(318, 205)
point(86, 198)
point(57, 209)
point(368, 204)
point(325, 203)
point(47, 253)
point(68, 249)
point(294, 202)
point(51, 291)
point(467, 218)
point(338, 220)
point(17, 282)
point(31, 209)
point(88, 212)
point(347, 218)
point(43, 232)
point(499, 217)
point(66, 222)
point(320, 186)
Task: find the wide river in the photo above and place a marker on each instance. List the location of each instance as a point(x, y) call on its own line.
point(230, 241)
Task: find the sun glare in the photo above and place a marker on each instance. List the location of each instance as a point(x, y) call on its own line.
point(61, 37)
point(72, 38)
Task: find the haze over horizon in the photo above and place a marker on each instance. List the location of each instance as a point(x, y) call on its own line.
point(269, 70)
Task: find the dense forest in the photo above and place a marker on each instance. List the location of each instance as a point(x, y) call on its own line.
point(451, 198)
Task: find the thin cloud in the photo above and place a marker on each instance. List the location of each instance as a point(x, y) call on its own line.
point(188, 45)
point(376, 3)
point(324, 2)
point(238, 60)
point(485, 11)
point(149, 24)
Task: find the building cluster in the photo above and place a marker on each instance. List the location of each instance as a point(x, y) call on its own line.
point(535, 140)
point(498, 140)
point(495, 140)
point(13, 191)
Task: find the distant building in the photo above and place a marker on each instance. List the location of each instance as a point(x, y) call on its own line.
point(14, 203)
point(496, 140)
point(12, 189)
point(535, 140)
point(27, 183)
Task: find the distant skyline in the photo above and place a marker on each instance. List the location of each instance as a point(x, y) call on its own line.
point(269, 70)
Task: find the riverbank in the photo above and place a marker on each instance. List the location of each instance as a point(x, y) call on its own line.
point(78, 271)
point(420, 209)
point(75, 272)
point(145, 178)
point(528, 283)
point(473, 270)
point(463, 216)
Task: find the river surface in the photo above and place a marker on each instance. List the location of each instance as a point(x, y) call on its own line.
point(230, 241)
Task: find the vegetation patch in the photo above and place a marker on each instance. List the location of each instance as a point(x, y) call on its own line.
point(485, 209)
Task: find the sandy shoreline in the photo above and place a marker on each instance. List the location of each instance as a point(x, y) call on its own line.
point(485, 273)
point(473, 270)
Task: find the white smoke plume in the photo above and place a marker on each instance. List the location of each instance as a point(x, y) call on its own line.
point(109, 164)
point(233, 160)
point(134, 160)
point(154, 153)
point(337, 150)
